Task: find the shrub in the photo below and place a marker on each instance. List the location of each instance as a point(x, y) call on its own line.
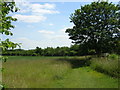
point(106, 66)
point(113, 56)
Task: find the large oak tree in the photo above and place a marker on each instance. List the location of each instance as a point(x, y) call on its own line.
point(96, 26)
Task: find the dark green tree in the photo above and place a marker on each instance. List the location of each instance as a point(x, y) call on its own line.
point(49, 51)
point(38, 51)
point(63, 51)
point(74, 50)
point(96, 26)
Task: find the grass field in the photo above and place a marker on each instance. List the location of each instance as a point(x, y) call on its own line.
point(53, 72)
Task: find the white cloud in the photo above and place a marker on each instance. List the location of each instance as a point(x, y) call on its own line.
point(51, 42)
point(27, 43)
point(50, 39)
point(51, 24)
point(29, 18)
point(43, 11)
point(32, 13)
point(46, 32)
point(44, 6)
point(49, 6)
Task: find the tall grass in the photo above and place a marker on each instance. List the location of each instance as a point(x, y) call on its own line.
point(108, 65)
point(53, 72)
point(33, 73)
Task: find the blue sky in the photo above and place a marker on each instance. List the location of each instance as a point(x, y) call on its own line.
point(43, 24)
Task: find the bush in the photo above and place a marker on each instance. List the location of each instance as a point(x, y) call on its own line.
point(106, 66)
point(113, 56)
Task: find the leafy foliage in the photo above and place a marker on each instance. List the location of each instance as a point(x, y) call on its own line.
point(8, 44)
point(96, 26)
point(5, 24)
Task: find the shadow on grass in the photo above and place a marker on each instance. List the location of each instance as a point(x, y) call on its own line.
point(77, 62)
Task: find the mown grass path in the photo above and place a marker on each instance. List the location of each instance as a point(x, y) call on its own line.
point(85, 77)
point(47, 72)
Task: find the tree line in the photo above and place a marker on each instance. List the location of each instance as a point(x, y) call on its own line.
point(73, 50)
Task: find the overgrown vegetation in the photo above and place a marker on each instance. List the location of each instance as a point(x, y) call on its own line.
point(53, 72)
point(108, 65)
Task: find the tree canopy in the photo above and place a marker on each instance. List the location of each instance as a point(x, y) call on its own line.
point(96, 26)
point(5, 23)
point(6, 26)
point(6, 8)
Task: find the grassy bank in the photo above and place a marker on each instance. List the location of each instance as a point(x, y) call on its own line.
point(53, 72)
point(108, 65)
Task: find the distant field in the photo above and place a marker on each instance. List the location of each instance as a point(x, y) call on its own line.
point(53, 72)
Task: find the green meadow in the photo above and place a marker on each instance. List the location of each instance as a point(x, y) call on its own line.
point(53, 72)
